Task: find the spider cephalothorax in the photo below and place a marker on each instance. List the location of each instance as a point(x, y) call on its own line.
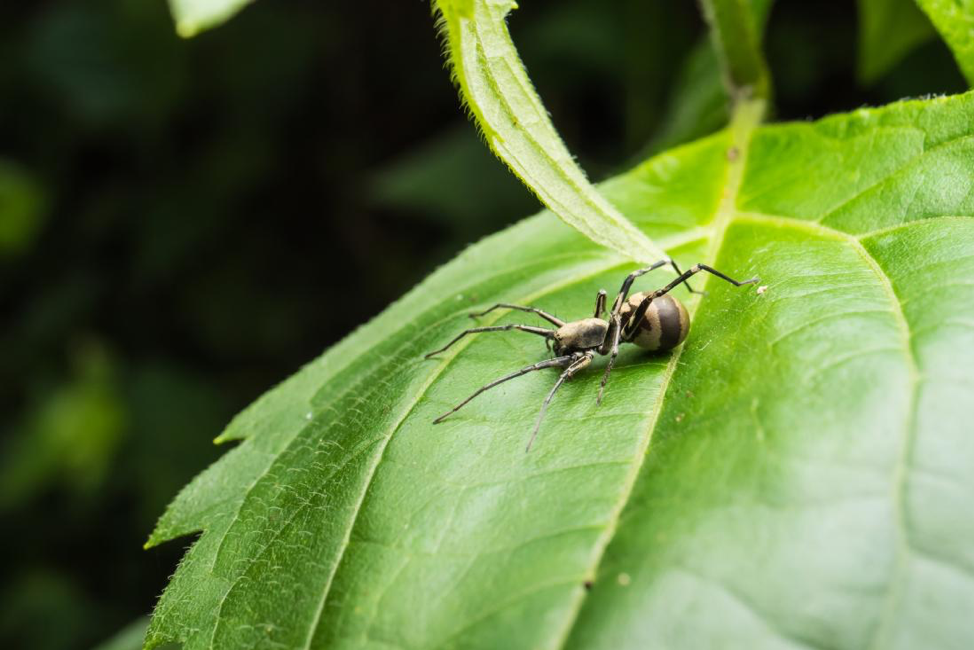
point(653, 320)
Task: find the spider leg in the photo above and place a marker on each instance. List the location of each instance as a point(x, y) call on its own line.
point(636, 317)
point(627, 283)
point(554, 320)
point(613, 353)
point(578, 363)
point(696, 268)
point(685, 283)
point(548, 363)
point(600, 304)
point(540, 331)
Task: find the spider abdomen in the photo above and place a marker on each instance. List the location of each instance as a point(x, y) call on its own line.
point(665, 325)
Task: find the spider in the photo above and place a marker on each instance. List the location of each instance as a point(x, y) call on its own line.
point(652, 320)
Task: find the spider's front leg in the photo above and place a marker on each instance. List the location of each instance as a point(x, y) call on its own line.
point(627, 283)
point(566, 361)
point(610, 347)
point(554, 320)
point(579, 361)
point(540, 331)
point(697, 268)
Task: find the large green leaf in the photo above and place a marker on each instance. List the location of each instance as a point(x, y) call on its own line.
point(797, 475)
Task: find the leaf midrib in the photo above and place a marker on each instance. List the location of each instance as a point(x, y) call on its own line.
point(745, 120)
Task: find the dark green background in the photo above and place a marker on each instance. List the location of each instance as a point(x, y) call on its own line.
point(184, 223)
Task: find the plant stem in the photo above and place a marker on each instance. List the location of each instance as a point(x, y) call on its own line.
point(738, 48)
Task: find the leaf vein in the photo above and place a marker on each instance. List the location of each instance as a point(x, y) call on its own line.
point(747, 117)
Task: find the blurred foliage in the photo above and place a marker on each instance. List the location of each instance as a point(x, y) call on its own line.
point(954, 20)
point(21, 210)
point(184, 223)
point(70, 437)
point(888, 30)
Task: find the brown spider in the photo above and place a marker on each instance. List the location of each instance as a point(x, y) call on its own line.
point(652, 320)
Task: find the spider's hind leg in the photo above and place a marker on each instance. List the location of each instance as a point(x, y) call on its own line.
point(547, 363)
point(613, 352)
point(685, 283)
point(578, 363)
point(627, 284)
point(696, 268)
point(530, 329)
point(554, 320)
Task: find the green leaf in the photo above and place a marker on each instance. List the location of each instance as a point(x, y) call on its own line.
point(23, 210)
point(195, 16)
point(954, 19)
point(736, 35)
point(888, 31)
point(796, 475)
point(495, 87)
